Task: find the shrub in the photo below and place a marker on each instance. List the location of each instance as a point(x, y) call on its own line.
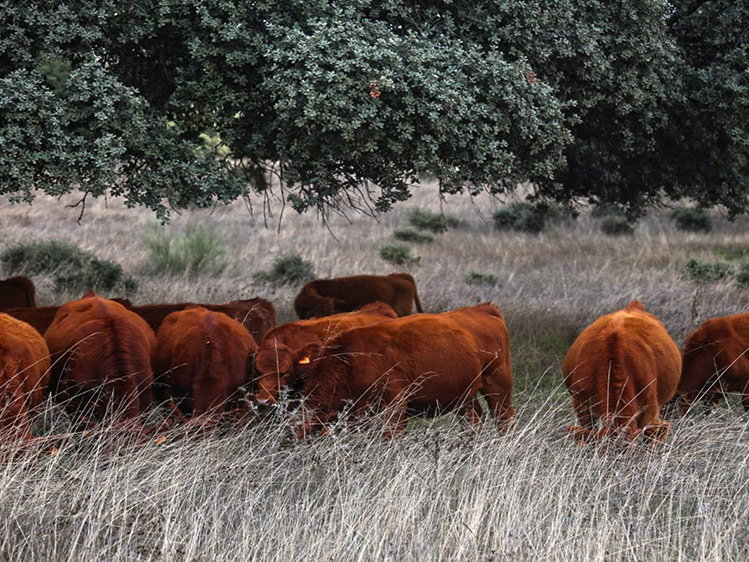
point(398, 254)
point(702, 272)
point(691, 219)
point(522, 216)
point(614, 225)
point(412, 235)
point(742, 275)
point(71, 268)
point(288, 269)
point(433, 222)
point(474, 277)
point(198, 250)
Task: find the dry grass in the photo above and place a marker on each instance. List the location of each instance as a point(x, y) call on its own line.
point(438, 492)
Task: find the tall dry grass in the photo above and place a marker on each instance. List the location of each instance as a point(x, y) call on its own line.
point(439, 491)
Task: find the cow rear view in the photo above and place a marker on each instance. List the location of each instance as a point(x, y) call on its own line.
point(102, 356)
point(24, 375)
point(620, 370)
point(202, 359)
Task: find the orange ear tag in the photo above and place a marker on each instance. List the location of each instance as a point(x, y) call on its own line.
point(304, 361)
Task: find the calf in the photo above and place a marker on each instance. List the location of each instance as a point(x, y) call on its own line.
point(324, 297)
point(620, 370)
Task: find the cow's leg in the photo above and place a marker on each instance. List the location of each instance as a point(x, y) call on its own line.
point(498, 393)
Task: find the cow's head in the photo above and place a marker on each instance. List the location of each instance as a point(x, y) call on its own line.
point(279, 365)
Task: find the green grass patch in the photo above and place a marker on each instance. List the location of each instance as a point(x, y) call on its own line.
point(474, 277)
point(703, 272)
point(433, 222)
point(288, 269)
point(409, 234)
point(72, 269)
point(399, 254)
point(196, 251)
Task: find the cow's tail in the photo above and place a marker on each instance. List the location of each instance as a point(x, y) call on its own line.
point(409, 277)
point(124, 364)
point(616, 393)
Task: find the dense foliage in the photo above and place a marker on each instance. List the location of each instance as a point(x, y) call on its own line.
point(346, 104)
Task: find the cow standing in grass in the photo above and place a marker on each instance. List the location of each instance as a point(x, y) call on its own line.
point(716, 361)
point(202, 360)
point(423, 364)
point(24, 375)
point(102, 356)
point(323, 297)
point(620, 370)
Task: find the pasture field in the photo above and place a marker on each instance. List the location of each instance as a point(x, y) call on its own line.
point(440, 491)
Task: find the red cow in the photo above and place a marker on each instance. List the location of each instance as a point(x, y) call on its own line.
point(16, 292)
point(715, 361)
point(24, 374)
point(204, 357)
point(620, 370)
point(429, 363)
point(257, 315)
point(284, 354)
point(102, 356)
point(323, 297)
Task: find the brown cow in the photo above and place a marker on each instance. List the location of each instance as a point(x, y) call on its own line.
point(324, 297)
point(428, 363)
point(284, 354)
point(715, 361)
point(257, 315)
point(24, 375)
point(16, 292)
point(620, 370)
point(102, 356)
point(204, 357)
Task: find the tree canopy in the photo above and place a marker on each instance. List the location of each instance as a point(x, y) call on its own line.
point(346, 104)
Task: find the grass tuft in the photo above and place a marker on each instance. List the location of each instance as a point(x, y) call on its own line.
point(288, 269)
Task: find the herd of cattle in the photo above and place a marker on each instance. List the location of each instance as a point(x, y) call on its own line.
point(356, 347)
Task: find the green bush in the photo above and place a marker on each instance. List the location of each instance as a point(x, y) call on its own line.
point(433, 222)
point(198, 250)
point(614, 225)
point(474, 277)
point(72, 269)
point(702, 272)
point(398, 254)
point(412, 235)
point(691, 219)
point(521, 216)
point(287, 270)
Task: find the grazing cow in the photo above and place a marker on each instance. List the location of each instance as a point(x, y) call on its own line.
point(716, 361)
point(256, 315)
point(284, 354)
point(102, 356)
point(428, 363)
point(620, 370)
point(16, 292)
point(24, 375)
point(204, 357)
point(324, 297)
